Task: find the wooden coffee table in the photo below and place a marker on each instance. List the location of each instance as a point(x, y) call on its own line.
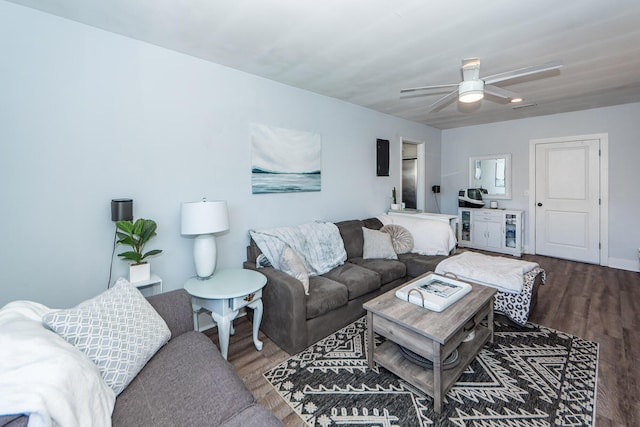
point(431, 335)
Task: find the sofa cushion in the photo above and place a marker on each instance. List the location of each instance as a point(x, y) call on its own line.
point(419, 264)
point(377, 245)
point(351, 232)
point(388, 269)
point(357, 279)
point(118, 330)
point(325, 295)
point(186, 383)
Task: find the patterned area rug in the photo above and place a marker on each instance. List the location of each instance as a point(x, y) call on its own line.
point(529, 376)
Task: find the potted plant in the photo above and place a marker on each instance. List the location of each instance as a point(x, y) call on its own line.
point(137, 235)
point(395, 206)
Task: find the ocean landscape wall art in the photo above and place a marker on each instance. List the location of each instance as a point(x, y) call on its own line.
point(284, 160)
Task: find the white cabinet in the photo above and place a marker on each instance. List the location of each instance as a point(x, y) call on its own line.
point(498, 230)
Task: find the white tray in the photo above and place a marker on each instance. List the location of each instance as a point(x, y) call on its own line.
point(434, 292)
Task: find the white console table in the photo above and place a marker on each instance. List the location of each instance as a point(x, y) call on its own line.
point(449, 219)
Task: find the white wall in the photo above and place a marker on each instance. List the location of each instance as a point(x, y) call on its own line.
point(87, 116)
point(620, 122)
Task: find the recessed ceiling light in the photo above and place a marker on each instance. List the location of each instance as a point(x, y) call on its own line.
point(516, 100)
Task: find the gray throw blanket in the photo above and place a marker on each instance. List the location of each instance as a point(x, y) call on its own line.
point(318, 243)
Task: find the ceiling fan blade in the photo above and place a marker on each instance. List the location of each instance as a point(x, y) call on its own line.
point(443, 101)
point(500, 92)
point(521, 72)
point(415, 89)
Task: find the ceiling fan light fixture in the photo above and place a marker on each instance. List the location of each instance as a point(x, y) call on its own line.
point(471, 91)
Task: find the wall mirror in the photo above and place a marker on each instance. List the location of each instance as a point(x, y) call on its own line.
point(492, 173)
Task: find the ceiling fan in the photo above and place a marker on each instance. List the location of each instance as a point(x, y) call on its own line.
point(473, 88)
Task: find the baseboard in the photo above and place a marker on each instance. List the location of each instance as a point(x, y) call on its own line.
point(619, 263)
point(624, 264)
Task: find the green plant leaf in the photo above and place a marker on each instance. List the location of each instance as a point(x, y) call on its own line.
point(152, 252)
point(123, 239)
point(131, 255)
point(136, 235)
point(126, 226)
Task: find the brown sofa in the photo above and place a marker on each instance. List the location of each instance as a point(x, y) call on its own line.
point(294, 320)
point(186, 383)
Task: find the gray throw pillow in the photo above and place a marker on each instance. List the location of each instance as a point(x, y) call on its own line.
point(118, 330)
point(377, 245)
point(401, 238)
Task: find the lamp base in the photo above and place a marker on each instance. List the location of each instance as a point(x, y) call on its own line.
point(204, 255)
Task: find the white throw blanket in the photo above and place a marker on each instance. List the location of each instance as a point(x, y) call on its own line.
point(45, 377)
point(430, 237)
point(505, 274)
point(319, 244)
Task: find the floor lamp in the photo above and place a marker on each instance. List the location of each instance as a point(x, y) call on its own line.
point(203, 219)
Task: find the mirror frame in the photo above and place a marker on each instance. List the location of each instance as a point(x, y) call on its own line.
point(507, 174)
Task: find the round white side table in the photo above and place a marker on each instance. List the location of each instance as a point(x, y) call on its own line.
point(224, 294)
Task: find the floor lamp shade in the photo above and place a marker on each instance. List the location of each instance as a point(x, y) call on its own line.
point(203, 219)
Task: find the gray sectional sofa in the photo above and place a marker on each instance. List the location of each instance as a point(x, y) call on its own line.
point(294, 320)
point(186, 383)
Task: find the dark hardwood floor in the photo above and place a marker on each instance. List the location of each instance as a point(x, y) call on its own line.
point(597, 303)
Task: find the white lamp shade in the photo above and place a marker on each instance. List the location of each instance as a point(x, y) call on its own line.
point(204, 217)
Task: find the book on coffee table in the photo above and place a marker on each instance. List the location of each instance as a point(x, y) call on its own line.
point(433, 291)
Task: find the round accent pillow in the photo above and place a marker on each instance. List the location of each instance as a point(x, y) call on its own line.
point(401, 238)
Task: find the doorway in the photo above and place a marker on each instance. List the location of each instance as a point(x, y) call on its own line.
point(412, 174)
point(568, 203)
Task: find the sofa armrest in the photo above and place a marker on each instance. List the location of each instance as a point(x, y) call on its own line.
point(284, 319)
point(176, 310)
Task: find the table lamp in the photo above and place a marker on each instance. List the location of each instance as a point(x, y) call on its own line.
point(203, 219)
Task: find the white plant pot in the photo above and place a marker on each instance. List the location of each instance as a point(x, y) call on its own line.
point(139, 272)
point(396, 206)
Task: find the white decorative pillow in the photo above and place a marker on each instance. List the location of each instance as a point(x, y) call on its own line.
point(118, 330)
point(377, 245)
point(292, 264)
point(401, 238)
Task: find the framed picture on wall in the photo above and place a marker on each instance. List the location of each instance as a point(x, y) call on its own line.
point(284, 160)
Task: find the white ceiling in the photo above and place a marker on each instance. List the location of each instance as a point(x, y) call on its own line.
point(365, 51)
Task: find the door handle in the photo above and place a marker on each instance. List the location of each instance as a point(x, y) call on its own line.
point(539, 204)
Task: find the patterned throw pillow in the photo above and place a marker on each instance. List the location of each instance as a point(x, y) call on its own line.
point(377, 245)
point(401, 238)
point(292, 264)
point(118, 330)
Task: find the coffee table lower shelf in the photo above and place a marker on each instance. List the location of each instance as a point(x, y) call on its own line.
point(389, 356)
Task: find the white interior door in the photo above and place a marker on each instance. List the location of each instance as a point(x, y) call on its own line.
point(567, 200)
